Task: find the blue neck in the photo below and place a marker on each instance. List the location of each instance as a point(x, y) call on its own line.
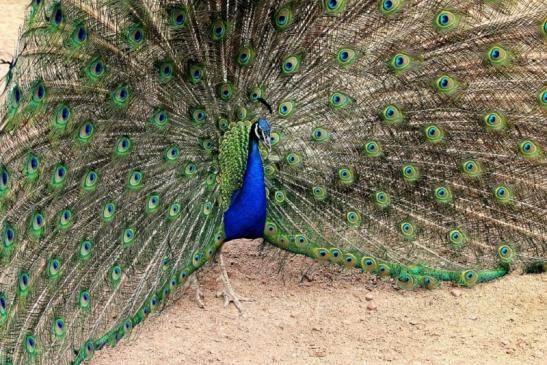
point(246, 217)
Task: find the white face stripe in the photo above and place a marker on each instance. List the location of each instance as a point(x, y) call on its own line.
point(267, 141)
point(256, 131)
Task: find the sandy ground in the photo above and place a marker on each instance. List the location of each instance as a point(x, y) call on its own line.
point(303, 313)
point(12, 13)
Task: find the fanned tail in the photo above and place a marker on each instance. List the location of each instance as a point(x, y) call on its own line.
point(107, 190)
point(408, 141)
point(409, 138)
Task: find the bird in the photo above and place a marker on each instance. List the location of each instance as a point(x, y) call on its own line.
point(402, 138)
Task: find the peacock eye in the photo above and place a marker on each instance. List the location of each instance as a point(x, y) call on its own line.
point(400, 62)
point(166, 70)
point(4, 178)
point(135, 36)
point(497, 56)
point(38, 92)
point(57, 16)
point(443, 19)
point(9, 235)
point(373, 149)
point(178, 17)
point(95, 69)
point(30, 345)
point(218, 29)
point(446, 20)
point(135, 180)
point(443, 82)
point(284, 17)
point(346, 57)
point(80, 34)
point(529, 149)
point(286, 108)
point(334, 7)
point(245, 56)
point(390, 7)
point(339, 100)
point(16, 95)
point(291, 65)
point(503, 194)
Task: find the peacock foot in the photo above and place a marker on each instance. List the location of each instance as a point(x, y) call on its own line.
point(229, 294)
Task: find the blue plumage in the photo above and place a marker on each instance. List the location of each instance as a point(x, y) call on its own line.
point(246, 217)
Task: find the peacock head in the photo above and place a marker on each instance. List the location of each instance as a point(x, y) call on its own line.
point(262, 131)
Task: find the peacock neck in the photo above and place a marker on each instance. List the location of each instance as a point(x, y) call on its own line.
point(246, 216)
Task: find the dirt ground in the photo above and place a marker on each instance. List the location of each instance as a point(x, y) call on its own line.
point(303, 313)
point(307, 314)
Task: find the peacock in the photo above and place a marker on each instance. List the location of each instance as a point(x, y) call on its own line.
point(403, 138)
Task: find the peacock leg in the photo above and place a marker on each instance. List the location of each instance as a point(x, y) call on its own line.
point(194, 283)
point(229, 294)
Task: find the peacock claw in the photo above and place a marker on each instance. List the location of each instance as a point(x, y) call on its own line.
point(229, 294)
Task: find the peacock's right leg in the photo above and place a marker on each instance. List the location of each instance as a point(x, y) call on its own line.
point(229, 294)
point(194, 283)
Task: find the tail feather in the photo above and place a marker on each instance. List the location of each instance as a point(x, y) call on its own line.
point(407, 141)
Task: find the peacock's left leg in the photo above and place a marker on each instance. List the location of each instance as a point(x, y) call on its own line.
point(229, 294)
